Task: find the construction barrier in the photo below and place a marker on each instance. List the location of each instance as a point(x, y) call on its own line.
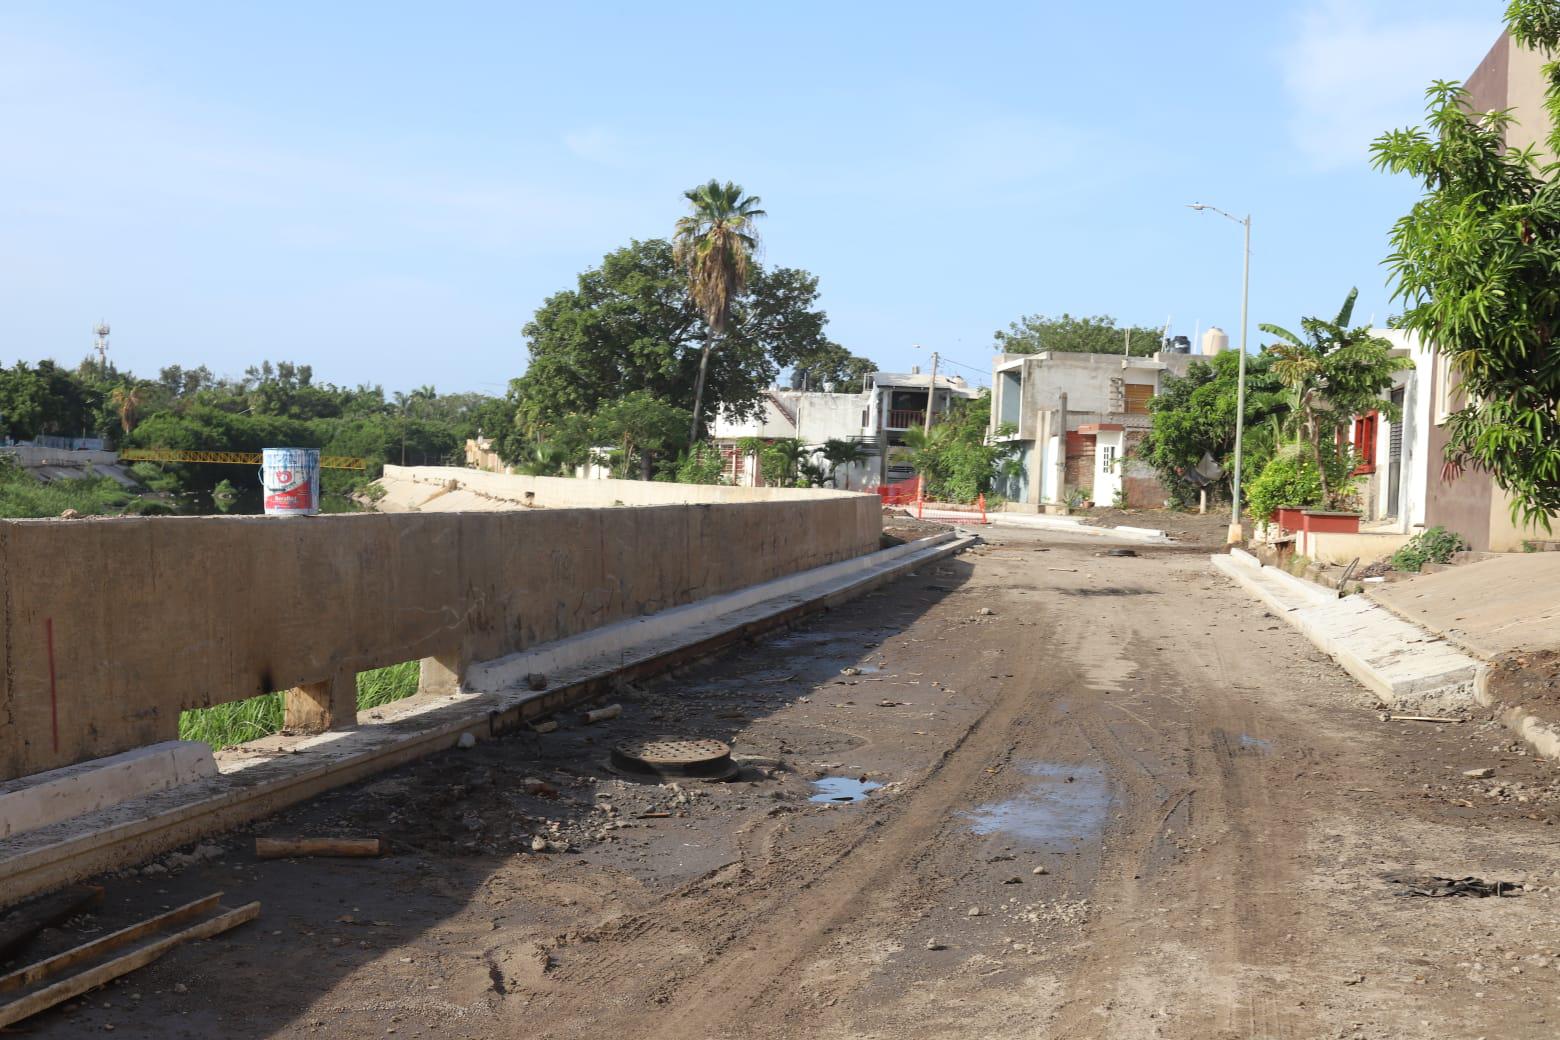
point(910, 494)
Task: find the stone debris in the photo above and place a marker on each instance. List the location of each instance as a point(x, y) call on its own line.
point(1479, 774)
point(467, 740)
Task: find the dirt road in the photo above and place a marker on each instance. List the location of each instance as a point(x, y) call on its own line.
point(1117, 801)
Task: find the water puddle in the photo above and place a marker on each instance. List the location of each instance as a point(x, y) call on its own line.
point(1065, 806)
point(1256, 744)
point(842, 789)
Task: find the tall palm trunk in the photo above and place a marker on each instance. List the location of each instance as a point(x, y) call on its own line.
point(698, 388)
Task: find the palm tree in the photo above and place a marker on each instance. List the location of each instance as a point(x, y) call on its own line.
point(126, 399)
point(839, 452)
point(715, 243)
point(545, 459)
point(1336, 373)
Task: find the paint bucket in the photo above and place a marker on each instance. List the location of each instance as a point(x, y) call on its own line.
point(291, 479)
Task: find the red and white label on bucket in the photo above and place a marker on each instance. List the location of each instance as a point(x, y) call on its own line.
point(290, 477)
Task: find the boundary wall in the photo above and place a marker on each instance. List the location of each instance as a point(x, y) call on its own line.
point(109, 628)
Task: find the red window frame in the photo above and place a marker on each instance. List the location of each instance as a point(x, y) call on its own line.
point(1365, 430)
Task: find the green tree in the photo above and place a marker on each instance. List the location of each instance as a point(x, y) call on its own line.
point(126, 400)
point(629, 325)
point(955, 459)
point(845, 453)
point(1474, 262)
point(715, 243)
point(1036, 333)
point(642, 426)
point(1335, 373)
point(1194, 415)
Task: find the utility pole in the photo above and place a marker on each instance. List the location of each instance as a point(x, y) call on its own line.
point(1236, 534)
point(931, 396)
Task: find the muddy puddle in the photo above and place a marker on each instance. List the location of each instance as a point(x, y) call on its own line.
point(842, 789)
point(1062, 807)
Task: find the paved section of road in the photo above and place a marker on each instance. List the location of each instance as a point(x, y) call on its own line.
point(1118, 801)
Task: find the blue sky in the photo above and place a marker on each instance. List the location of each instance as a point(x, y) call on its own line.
point(389, 190)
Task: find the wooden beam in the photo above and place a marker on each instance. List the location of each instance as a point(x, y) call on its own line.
point(24, 977)
point(92, 978)
point(283, 848)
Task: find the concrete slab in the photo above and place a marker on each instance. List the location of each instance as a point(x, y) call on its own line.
point(1508, 602)
point(59, 794)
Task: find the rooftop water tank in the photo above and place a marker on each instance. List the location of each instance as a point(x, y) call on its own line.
point(1215, 340)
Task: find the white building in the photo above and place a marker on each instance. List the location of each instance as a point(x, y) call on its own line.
point(1075, 417)
point(876, 418)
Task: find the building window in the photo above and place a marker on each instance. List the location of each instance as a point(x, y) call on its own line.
point(1138, 396)
point(1365, 441)
point(1107, 458)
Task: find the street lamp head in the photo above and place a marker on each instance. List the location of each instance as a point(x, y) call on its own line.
point(1198, 206)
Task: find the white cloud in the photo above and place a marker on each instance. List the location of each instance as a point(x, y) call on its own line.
point(1355, 70)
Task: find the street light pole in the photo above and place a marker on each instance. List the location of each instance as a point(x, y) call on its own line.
point(1235, 533)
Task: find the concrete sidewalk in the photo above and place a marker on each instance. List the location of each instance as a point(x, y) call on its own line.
point(1490, 608)
point(1409, 668)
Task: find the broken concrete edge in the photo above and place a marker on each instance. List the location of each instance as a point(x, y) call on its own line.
point(39, 800)
point(1543, 737)
point(301, 768)
point(1447, 676)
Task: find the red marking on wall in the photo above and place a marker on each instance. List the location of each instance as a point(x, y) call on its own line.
point(54, 705)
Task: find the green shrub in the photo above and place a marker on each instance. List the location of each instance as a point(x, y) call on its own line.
point(1287, 480)
point(1434, 545)
point(23, 495)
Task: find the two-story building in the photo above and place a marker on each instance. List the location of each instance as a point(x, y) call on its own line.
point(1076, 418)
point(876, 418)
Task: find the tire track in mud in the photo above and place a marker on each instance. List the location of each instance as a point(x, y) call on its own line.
point(736, 952)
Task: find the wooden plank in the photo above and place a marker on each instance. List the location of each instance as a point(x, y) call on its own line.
point(26, 922)
point(86, 951)
point(282, 848)
point(94, 977)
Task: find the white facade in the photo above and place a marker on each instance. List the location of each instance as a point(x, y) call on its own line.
point(1075, 416)
point(1405, 443)
point(876, 418)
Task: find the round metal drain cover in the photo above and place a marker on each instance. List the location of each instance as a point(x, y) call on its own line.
point(674, 756)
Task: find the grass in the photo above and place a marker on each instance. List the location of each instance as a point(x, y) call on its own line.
point(22, 495)
point(224, 724)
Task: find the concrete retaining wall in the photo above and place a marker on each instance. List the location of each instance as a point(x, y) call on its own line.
point(112, 627)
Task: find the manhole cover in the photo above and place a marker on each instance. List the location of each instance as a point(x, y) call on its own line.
point(674, 756)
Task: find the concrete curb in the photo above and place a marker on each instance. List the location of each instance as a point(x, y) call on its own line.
point(282, 771)
point(1401, 664)
point(1397, 660)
